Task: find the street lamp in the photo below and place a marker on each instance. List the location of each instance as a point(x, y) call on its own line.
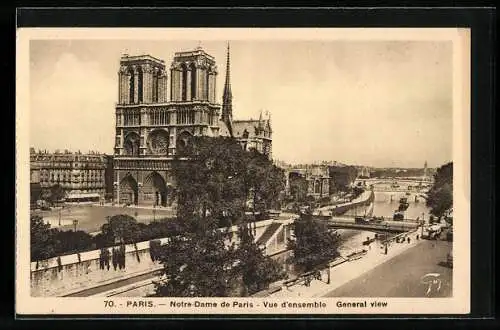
point(328, 280)
point(386, 240)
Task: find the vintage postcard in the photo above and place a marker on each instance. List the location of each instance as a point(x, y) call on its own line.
point(242, 171)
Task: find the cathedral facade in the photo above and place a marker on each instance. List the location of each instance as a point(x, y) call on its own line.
point(156, 118)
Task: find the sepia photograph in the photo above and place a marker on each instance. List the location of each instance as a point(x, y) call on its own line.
point(248, 171)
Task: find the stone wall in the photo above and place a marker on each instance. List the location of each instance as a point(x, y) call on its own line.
point(52, 278)
point(68, 274)
point(365, 199)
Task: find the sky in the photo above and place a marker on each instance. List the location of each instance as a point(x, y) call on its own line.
point(373, 103)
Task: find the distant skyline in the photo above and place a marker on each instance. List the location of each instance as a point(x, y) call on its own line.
point(373, 103)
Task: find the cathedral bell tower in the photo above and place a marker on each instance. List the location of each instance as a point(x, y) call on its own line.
point(151, 131)
point(193, 96)
point(194, 76)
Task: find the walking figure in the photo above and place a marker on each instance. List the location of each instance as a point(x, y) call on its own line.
point(317, 276)
point(408, 240)
point(417, 237)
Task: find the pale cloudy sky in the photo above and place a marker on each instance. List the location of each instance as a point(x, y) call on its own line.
point(378, 103)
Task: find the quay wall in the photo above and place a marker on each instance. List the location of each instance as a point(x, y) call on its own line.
point(365, 199)
point(67, 274)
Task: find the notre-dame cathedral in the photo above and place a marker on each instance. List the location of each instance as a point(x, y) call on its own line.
point(151, 127)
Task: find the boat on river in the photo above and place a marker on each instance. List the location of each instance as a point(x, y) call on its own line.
point(403, 204)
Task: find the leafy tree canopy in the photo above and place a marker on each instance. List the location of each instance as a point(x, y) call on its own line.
point(440, 196)
point(257, 270)
point(40, 239)
point(213, 189)
point(314, 244)
point(121, 228)
point(198, 264)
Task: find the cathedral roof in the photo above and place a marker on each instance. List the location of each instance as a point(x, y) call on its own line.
point(223, 129)
point(251, 126)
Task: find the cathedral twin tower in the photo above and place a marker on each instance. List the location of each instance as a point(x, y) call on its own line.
point(143, 79)
point(151, 127)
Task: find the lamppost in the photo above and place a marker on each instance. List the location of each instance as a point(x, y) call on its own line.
point(422, 225)
point(154, 213)
point(328, 280)
point(386, 240)
point(60, 217)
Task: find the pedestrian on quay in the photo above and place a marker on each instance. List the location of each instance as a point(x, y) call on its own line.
point(417, 237)
point(408, 240)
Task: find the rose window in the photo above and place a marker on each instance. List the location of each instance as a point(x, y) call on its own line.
point(158, 142)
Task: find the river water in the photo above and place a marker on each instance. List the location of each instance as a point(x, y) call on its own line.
point(384, 205)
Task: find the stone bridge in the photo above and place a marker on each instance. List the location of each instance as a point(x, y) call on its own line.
point(385, 226)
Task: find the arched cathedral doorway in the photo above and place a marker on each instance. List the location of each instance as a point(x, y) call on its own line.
point(128, 190)
point(155, 190)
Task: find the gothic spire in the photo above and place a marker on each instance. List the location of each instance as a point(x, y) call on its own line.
point(227, 98)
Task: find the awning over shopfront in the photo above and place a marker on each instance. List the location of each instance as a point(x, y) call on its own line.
point(83, 196)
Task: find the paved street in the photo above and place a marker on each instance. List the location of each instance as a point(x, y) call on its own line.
point(115, 285)
point(401, 275)
point(92, 217)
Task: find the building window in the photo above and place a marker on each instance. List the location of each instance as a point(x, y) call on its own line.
point(155, 86)
point(139, 85)
point(211, 118)
point(193, 82)
point(132, 118)
point(131, 84)
point(184, 75)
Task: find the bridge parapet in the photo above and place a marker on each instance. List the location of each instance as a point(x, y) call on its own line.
point(399, 226)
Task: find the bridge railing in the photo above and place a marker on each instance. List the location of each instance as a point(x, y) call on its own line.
point(382, 226)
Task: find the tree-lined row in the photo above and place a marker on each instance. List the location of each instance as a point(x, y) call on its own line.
point(49, 242)
point(440, 196)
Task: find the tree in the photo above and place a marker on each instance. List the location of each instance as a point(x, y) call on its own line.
point(213, 187)
point(41, 241)
point(314, 244)
point(357, 191)
point(264, 182)
point(257, 270)
point(298, 187)
point(198, 263)
point(440, 196)
point(159, 229)
point(121, 229)
point(71, 242)
point(57, 192)
point(212, 181)
point(53, 194)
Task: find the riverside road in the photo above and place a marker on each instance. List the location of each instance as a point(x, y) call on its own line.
point(409, 274)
